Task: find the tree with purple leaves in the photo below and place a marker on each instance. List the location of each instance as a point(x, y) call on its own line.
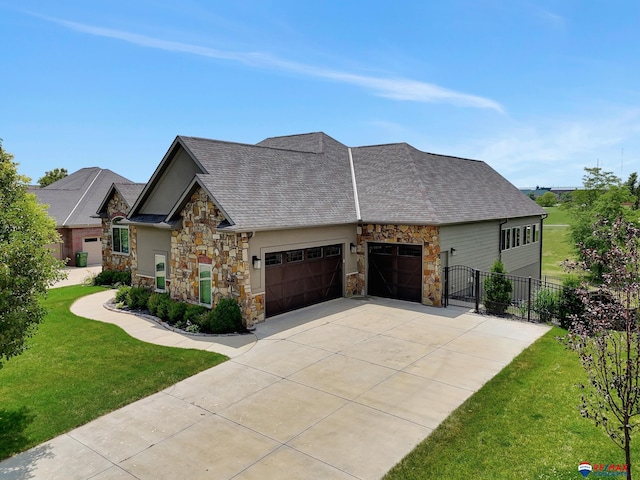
point(606, 336)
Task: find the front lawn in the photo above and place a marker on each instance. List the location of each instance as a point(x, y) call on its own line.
point(77, 370)
point(556, 248)
point(524, 423)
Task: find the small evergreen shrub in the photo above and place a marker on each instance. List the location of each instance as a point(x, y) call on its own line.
point(137, 298)
point(176, 312)
point(164, 303)
point(153, 302)
point(122, 294)
point(195, 314)
point(225, 318)
point(113, 277)
point(497, 290)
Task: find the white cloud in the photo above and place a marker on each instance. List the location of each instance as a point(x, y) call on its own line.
point(392, 88)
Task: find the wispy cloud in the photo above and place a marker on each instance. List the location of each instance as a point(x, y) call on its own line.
point(392, 88)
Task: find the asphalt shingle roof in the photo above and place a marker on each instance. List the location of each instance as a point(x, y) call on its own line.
point(73, 200)
point(306, 180)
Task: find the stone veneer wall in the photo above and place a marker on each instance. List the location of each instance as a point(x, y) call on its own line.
point(428, 236)
point(117, 207)
point(198, 241)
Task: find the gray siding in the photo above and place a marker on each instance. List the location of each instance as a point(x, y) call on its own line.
point(171, 184)
point(476, 244)
point(152, 241)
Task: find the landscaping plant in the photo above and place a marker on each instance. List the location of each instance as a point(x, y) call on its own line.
point(497, 290)
point(607, 340)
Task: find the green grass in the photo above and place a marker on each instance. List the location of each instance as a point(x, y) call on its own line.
point(557, 216)
point(77, 370)
point(524, 423)
point(556, 247)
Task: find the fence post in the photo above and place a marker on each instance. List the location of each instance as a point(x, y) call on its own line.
point(529, 302)
point(477, 289)
point(446, 287)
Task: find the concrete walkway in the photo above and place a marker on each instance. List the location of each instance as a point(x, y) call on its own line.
point(341, 390)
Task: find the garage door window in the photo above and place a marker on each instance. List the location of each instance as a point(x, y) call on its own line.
point(273, 259)
point(332, 251)
point(295, 256)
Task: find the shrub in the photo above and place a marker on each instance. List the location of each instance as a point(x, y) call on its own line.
point(153, 302)
point(545, 304)
point(163, 307)
point(569, 304)
point(195, 314)
point(225, 318)
point(497, 290)
point(122, 294)
point(137, 298)
point(113, 277)
point(176, 312)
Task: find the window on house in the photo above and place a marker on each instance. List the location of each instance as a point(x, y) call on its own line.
point(535, 233)
point(120, 235)
point(526, 235)
point(161, 272)
point(314, 253)
point(515, 237)
point(205, 283)
point(505, 239)
point(332, 251)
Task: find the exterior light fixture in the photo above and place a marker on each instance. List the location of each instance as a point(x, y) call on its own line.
point(257, 263)
point(353, 248)
point(453, 251)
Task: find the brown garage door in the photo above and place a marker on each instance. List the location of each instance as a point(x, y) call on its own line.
point(297, 278)
point(395, 271)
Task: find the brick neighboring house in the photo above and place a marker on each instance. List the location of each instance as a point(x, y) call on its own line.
point(301, 219)
point(73, 201)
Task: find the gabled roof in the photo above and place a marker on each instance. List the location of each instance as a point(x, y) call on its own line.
point(312, 180)
point(73, 200)
point(128, 191)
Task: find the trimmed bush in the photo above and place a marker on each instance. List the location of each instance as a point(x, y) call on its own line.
point(153, 302)
point(113, 277)
point(225, 318)
point(122, 294)
point(195, 314)
point(164, 303)
point(176, 312)
point(497, 290)
point(137, 298)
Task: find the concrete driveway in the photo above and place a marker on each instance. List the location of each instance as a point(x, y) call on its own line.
point(341, 390)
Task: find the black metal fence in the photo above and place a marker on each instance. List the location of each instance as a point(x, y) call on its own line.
point(527, 298)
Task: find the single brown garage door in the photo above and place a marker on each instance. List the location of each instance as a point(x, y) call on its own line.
point(297, 278)
point(395, 271)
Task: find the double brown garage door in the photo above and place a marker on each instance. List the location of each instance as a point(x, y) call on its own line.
point(395, 271)
point(297, 278)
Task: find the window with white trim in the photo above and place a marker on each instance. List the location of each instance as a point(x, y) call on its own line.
point(161, 272)
point(120, 235)
point(515, 237)
point(535, 232)
point(505, 239)
point(526, 235)
point(204, 274)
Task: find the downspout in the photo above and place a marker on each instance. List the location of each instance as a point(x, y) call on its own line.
point(355, 187)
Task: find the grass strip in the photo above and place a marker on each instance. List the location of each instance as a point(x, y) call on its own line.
point(524, 423)
point(77, 370)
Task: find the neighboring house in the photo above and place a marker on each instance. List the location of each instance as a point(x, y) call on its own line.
point(73, 201)
point(297, 220)
point(116, 244)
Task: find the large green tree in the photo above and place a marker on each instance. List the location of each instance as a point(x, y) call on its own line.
point(27, 267)
point(52, 176)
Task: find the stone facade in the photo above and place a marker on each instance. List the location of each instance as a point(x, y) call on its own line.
point(351, 285)
point(425, 235)
point(198, 241)
point(116, 208)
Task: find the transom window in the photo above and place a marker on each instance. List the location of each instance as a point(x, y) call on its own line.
point(332, 251)
point(295, 256)
point(273, 259)
point(314, 253)
point(120, 235)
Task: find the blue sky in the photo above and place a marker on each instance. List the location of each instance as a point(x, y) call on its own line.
point(537, 89)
